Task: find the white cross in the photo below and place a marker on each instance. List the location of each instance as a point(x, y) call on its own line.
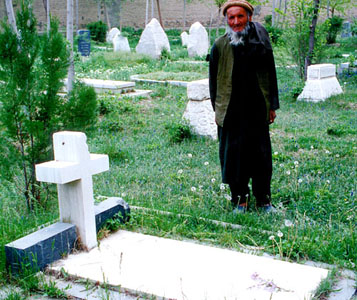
point(72, 171)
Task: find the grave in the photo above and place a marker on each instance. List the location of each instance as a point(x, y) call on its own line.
point(321, 83)
point(199, 111)
point(153, 40)
point(197, 44)
point(346, 31)
point(148, 265)
point(184, 38)
point(84, 45)
point(111, 34)
point(121, 44)
point(80, 220)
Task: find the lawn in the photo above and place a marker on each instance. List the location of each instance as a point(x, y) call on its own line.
point(155, 163)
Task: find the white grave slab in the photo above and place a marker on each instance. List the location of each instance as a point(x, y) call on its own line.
point(321, 83)
point(189, 271)
point(72, 171)
point(111, 34)
point(199, 111)
point(197, 44)
point(153, 40)
point(184, 38)
point(121, 44)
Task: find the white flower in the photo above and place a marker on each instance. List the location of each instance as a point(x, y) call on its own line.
point(296, 162)
point(337, 155)
point(280, 234)
point(272, 237)
point(276, 153)
point(180, 171)
point(288, 172)
point(288, 223)
point(222, 187)
point(281, 165)
point(213, 180)
point(193, 189)
point(327, 152)
point(172, 115)
point(319, 172)
point(206, 163)
point(228, 197)
point(123, 194)
point(189, 155)
point(328, 181)
point(312, 147)
point(300, 180)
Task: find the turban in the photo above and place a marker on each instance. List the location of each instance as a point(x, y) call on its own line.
point(242, 3)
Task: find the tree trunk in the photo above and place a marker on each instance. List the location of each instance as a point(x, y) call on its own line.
point(285, 9)
point(10, 15)
point(147, 13)
point(152, 9)
point(77, 15)
point(184, 15)
point(328, 8)
point(278, 16)
point(120, 22)
point(70, 77)
point(312, 35)
point(159, 11)
point(107, 16)
point(98, 10)
point(273, 15)
point(218, 20)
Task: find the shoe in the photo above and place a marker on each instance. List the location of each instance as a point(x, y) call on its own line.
point(269, 209)
point(239, 209)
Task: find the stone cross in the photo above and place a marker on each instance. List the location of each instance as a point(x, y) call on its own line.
point(72, 171)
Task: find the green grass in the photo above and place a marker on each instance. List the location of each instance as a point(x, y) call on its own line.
point(156, 164)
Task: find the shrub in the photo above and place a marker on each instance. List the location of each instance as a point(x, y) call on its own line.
point(354, 27)
point(178, 131)
point(98, 31)
point(335, 25)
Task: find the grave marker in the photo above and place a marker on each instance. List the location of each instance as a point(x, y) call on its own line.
point(197, 44)
point(346, 30)
point(111, 34)
point(72, 171)
point(84, 42)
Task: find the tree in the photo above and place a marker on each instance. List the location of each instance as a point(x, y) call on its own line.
point(159, 11)
point(10, 14)
point(315, 15)
point(70, 77)
point(334, 6)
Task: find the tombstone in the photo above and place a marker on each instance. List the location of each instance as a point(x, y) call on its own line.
point(153, 40)
point(111, 34)
point(343, 68)
point(72, 171)
point(197, 44)
point(184, 38)
point(199, 112)
point(346, 30)
point(321, 83)
point(121, 44)
point(84, 42)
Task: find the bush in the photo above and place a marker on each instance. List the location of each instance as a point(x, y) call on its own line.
point(98, 31)
point(335, 25)
point(178, 131)
point(354, 27)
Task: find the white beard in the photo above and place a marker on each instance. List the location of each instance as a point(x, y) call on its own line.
point(237, 38)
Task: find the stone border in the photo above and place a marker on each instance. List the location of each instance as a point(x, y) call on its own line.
point(39, 249)
point(171, 82)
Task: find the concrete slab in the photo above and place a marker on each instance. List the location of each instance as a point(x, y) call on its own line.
point(183, 270)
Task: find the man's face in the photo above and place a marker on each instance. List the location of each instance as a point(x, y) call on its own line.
point(237, 18)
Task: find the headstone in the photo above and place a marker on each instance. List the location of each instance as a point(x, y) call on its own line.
point(121, 44)
point(197, 44)
point(199, 112)
point(84, 42)
point(111, 34)
point(321, 83)
point(184, 38)
point(72, 171)
point(153, 40)
point(346, 30)
point(343, 67)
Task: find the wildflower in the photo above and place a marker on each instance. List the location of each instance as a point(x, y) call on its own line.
point(276, 153)
point(300, 180)
point(206, 163)
point(180, 171)
point(193, 189)
point(213, 180)
point(337, 155)
point(280, 234)
point(123, 194)
point(288, 172)
point(222, 187)
point(319, 172)
point(328, 181)
point(312, 147)
point(288, 223)
point(296, 162)
point(189, 155)
point(272, 237)
point(327, 152)
point(228, 197)
point(281, 165)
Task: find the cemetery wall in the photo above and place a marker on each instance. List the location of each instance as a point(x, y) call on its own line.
point(133, 12)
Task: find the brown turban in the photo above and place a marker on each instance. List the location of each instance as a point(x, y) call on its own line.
point(242, 3)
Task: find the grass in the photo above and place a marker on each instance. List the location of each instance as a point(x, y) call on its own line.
point(156, 163)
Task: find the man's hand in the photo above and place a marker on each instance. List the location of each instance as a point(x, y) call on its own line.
point(272, 116)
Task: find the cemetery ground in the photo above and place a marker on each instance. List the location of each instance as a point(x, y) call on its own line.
point(171, 177)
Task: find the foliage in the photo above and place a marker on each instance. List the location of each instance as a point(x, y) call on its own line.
point(98, 31)
point(296, 37)
point(178, 131)
point(32, 69)
point(334, 27)
point(80, 111)
point(354, 27)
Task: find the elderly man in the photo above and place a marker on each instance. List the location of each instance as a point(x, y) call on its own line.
point(244, 95)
